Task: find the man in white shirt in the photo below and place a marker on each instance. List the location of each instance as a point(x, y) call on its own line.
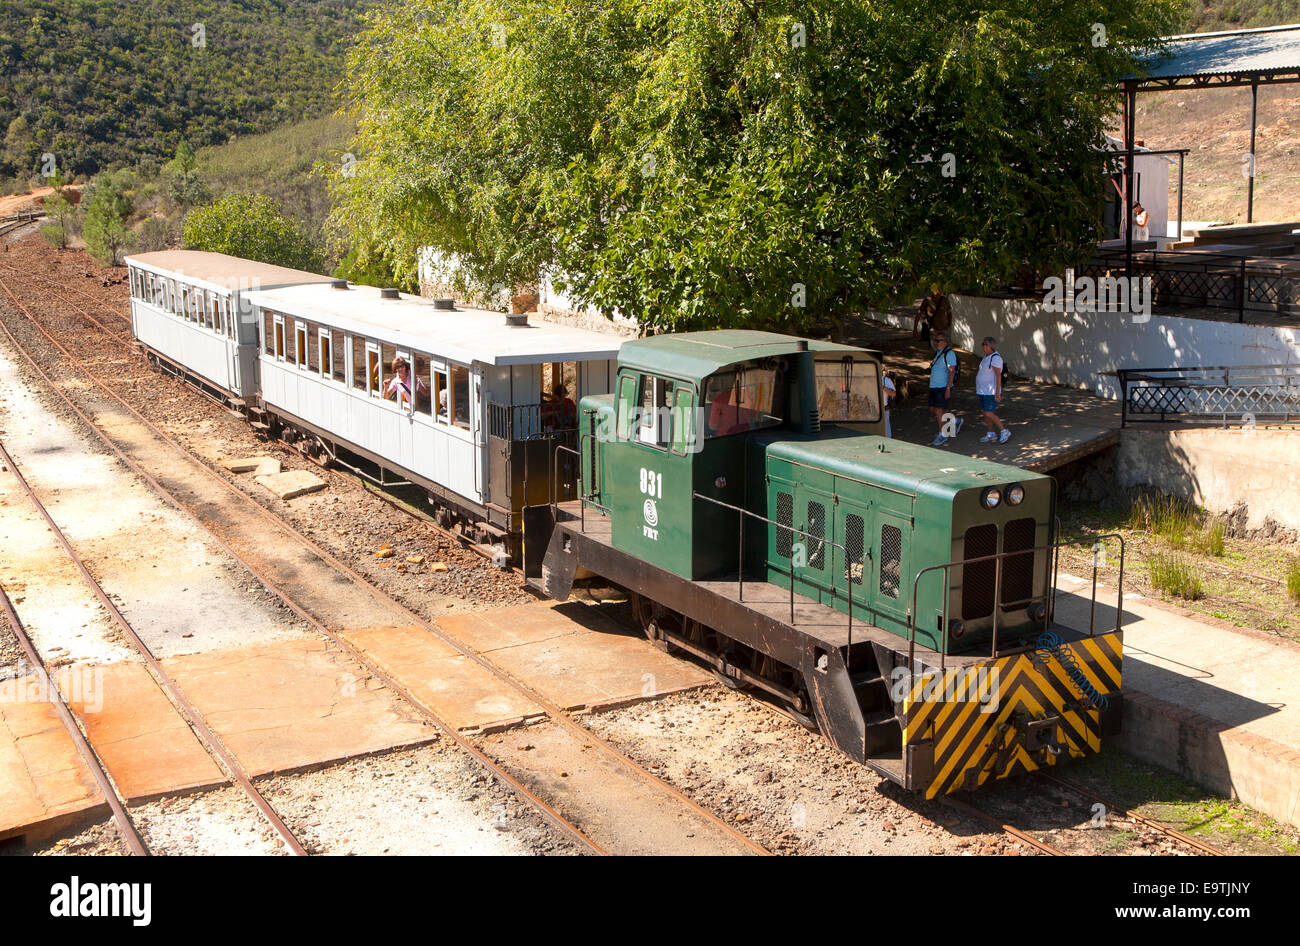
point(891, 392)
point(988, 387)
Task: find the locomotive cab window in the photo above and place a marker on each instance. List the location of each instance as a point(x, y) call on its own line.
point(654, 418)
point(743, 398)
point(847, 390)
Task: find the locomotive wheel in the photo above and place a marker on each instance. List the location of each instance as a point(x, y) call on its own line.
point(653, 619)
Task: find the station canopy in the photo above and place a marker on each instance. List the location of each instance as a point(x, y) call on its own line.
point(1265, 56)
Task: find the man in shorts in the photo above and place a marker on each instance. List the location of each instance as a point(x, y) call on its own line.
point(988, 387)
point(943, 372)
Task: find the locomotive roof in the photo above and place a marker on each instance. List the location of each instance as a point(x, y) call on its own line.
point(222, 272)
point(700, 354)
point(903, 466)
point(462, 334)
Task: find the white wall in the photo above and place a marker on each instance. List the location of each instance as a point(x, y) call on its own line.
point(1082, 350)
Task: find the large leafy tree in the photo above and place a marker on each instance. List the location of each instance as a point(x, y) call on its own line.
point(696, 163)
point(254, 227)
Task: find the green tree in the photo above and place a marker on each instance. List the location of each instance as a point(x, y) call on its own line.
point(254, 227)
point(696, 163)
point(61, 212)
point(106, 231)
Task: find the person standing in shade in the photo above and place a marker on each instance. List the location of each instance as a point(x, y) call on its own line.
point(988, 387)
point(943, 373)
point(891, 392)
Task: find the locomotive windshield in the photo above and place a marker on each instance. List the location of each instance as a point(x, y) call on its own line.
point(848, 391)
point(743, 398)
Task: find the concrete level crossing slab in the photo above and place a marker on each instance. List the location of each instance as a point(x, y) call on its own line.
point(45, 784)
point(1219, 705)
point(293, 705)
point(572, 654)
point(144, 742)
point(460, 692)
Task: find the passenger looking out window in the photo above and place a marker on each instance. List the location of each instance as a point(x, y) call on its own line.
point(403, 387)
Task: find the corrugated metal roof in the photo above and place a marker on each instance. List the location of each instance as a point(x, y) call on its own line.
point(700, 354)
point(1268, 50)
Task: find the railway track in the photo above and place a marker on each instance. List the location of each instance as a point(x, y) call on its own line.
point(213, 745)
point(1115, 810)
point(556, 713)
point(130, 835)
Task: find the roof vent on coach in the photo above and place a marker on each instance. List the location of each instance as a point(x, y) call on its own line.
point(517, 319)
point(338, 284)
point(389, 294)
point(448, 304)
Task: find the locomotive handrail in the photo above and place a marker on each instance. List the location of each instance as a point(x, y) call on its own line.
point(740, 562)
point(1048, 596)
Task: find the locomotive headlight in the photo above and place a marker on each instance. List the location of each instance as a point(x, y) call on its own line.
point(1015, 494)
point(991, 498)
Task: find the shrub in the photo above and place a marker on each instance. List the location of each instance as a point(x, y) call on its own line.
point(55, 235)
point(1293, 579)
point(1210, 540)
point(1173, 575)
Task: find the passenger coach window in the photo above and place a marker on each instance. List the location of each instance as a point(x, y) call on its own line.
point(313, 348)
point(326, 352)
point(387, 353)
point(358, 363)
point(460, 396)
point(372, 371)
point(279, 338)
point(268, 325)
point(340, 372)
point(442, 395)
point(848, 390)
point(423, 401)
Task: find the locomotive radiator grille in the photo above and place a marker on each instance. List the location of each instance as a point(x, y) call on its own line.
point(891, 560)
point(1018, 570)
point(785, 521)
point(978, 578)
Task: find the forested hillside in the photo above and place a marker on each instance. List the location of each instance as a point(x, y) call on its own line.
point(1206, 15)
point(98, 83)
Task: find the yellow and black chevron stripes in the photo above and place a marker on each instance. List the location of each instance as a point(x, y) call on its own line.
point(976, 718)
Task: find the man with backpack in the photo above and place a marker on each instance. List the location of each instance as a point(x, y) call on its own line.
point(944, 371)
point(988, 387)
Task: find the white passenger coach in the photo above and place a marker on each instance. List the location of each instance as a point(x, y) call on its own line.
point(468, 405)
point(188, 309)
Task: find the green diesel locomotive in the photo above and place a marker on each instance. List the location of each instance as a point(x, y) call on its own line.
point(895, 597)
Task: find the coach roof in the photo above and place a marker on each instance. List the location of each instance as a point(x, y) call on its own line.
point(461, 334)
point(222, 272)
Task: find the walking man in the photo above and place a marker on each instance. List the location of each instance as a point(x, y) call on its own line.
point(988, 386)
point(943, 373)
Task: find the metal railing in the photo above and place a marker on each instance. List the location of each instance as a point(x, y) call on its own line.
point(820, 540)
point(1048, 597)
point(1237, 282)
point(1238, 394)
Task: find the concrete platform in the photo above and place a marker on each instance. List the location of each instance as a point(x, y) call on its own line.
point(45, 784)
point(294, 705)
point(144, 742)
point(1219, 705)
point(262, 466)
point(1051, 425)
point(572, 655)
point(456, 689)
